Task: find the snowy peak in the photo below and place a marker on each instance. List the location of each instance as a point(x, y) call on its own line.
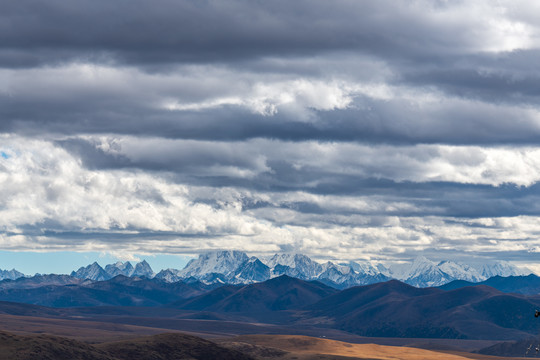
point(501, 268)
point(126, 269)
point(295, 265)
point(280, 259)
point(169, 275)
point(460, 271)
point(221, 262)
point(10, 274)
point(423, 272)
point(236, 267)
point(95, 272)
point(120, 268)
point(335, 273)
point(143, 269)
point(421, 265)
point(365, 268)
point(91, 272)
point(251, 271)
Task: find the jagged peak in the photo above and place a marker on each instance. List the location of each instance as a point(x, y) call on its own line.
point(421, 259)
point(235, 267)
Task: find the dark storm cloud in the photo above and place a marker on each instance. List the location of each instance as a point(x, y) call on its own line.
point(425, 199)
point(423, 44)
point(377, 121)
point(187, 158)
point(35, 33)
point(509, 78)
point(423, 48)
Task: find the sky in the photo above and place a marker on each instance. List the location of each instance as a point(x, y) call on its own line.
point(346, 130)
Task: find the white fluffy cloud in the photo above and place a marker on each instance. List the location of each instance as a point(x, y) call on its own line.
point(419, 163)
point(50, 201)
point(47, 189)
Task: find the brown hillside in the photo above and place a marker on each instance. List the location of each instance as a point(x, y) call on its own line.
point(171, 347)
point(310, 348)
point(45, 347)
point(168, 346)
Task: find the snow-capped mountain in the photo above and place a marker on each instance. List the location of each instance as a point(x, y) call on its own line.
point(10, 274)
point(423, 272)
point(120, 268)
point(91, 272)
point(501, 268)
point(252, 270)
point(364, 267)
point(236, 267)
point(169, 275)
point(220, 262)
point(95, 272)
point(461, 271)
point(294, 265)
point(143, 269)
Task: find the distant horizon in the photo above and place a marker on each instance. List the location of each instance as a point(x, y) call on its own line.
point(66, 262)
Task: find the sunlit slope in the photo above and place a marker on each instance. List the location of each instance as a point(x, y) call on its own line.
point(305, 347)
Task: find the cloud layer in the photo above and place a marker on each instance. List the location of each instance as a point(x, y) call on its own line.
point(374, 129)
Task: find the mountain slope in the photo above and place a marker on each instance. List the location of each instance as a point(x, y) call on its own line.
point(208, 300)
point(281, 293)
point(40, 280)
point(522, 348)
point(118, 291)
point(18, 347)
point(527, 285)
point(252, 270)
point(157, 347)
point(170, 346)
point(394, 309)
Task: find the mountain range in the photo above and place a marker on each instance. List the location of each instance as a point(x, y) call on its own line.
point(387, 309)
point(10, 274)
point(527, 285)
point(67, 291)
point(236, 267)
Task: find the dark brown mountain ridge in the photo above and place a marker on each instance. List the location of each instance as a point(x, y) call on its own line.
point(157, 347)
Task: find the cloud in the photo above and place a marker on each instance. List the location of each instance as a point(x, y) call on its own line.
point(200, 103)
point(176, 31)
point(51, 201)
point(46, 189)
point(371, 129)
point(492, 166)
